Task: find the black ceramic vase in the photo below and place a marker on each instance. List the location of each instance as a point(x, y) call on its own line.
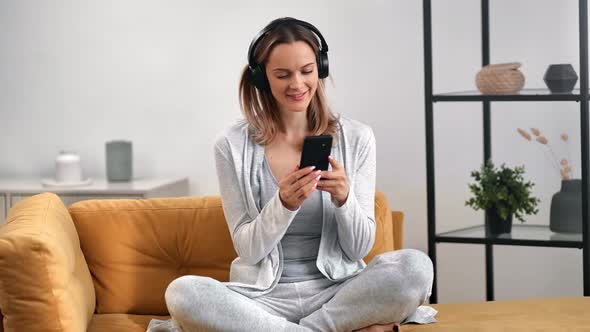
point(495, 225)
point(560, 78)
point(566, 208)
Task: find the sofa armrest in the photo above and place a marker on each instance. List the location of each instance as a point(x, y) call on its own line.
point(397, 218)
point(45, 284)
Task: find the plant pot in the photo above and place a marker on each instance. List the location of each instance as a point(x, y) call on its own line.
point(566, 208)
point(495, 225)
point(560, 78)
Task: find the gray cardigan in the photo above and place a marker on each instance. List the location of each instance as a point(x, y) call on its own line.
point(348, 232)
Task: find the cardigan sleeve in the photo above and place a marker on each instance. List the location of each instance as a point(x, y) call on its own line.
point(253, 239)
point(356, 217)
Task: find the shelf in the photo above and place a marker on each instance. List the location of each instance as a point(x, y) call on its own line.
point(523, 95)
point(521, 235)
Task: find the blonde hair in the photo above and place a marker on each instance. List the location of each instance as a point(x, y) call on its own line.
point(260, 108)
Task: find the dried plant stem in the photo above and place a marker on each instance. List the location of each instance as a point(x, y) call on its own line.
point(565, 138)
point(557, 169)
point(554, 156)
point(569, 160)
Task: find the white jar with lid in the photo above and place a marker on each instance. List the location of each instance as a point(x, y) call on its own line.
point(67, 167)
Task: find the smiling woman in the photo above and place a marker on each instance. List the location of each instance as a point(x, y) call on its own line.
point(300, 234)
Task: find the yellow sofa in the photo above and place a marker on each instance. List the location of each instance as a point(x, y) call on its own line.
point(103, 265)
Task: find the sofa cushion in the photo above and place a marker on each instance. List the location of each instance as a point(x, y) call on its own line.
point(384, 231)
point(121, 322)
point(45, 283)
point(136, 247)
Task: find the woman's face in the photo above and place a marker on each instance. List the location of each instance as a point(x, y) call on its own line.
point(292, 74)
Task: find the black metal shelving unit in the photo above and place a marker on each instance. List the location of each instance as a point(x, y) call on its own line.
point(522, 235)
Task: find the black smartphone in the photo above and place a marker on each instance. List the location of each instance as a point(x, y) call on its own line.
point(316, 150)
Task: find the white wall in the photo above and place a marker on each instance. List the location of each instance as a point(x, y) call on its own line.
point(164, 74)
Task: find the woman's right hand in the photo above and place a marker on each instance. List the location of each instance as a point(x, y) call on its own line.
point(297, 186)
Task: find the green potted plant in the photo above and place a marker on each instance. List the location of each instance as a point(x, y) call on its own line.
point(502, 193)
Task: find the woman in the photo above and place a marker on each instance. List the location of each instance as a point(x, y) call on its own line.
point(300, 234)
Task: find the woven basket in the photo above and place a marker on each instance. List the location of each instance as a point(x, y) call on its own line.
point(501, 78)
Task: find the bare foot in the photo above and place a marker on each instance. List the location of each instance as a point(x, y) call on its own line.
point(381, 328)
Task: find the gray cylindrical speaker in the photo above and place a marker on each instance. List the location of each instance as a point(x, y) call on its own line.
point(119, 159)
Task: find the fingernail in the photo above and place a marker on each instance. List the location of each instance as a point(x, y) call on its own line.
point(330, 156)
point(312, 167)
point(318, 178)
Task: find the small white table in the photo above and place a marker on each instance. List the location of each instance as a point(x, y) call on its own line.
point(13, 190)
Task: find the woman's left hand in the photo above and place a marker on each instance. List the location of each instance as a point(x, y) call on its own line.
point(335, 182)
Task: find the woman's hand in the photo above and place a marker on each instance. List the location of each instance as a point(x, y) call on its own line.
point(297, 186)
point(335, 182)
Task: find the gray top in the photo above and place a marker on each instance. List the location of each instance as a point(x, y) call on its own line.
point(348, 231)
point(301, 242)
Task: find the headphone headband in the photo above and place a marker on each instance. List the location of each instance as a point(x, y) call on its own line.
point(257, 71)
point(273, 25)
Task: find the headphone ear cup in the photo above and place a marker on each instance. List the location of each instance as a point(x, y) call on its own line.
point(323, 68)
point(258, 75)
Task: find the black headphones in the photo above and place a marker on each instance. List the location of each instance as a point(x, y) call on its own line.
point(257, 71)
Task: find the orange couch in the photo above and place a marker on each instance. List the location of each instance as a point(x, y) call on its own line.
point(104, 265)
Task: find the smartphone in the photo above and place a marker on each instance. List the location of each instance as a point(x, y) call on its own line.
point(316, 150)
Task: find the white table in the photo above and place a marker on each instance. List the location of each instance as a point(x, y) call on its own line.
point(13, 190)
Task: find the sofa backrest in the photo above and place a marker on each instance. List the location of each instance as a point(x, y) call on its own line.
point(135, 247)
